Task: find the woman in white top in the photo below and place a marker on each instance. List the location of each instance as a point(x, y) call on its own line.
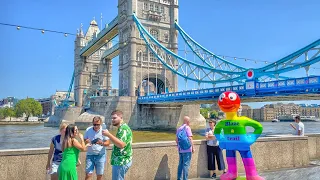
point(214, 151)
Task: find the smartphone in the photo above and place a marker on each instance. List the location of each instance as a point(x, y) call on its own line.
point(95, 141)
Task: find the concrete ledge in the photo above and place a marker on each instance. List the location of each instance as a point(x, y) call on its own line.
point(159, 160)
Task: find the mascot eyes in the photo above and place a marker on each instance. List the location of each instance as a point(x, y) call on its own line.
point(232, 96)
point(221, 97)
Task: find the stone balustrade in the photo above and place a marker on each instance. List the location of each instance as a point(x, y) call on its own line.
point(159, 160)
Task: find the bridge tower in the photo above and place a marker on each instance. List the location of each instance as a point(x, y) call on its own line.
point(91, 77)
point(139, 71)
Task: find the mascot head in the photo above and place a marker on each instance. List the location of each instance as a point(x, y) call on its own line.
point(229, 101)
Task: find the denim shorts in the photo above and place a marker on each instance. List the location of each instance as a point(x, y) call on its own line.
point(118, 172)
point(54, 167)
point(95, 162)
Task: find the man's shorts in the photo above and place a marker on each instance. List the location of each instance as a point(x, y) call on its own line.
point(95, 162)
point(54, 167)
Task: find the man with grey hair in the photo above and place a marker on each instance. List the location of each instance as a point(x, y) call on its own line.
point(96, 154)
point(185, 148)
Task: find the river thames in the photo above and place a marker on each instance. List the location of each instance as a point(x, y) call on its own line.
point(38, 136)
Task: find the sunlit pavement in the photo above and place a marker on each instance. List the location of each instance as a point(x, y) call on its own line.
point(309, 173)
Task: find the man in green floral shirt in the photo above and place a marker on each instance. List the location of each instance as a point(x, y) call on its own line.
point(121, 158)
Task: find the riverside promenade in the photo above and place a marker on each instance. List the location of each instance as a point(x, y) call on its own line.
point(279, 157)
point(312, 172)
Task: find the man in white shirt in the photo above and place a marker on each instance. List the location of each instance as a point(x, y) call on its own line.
point(96, 153)
point(299, 127)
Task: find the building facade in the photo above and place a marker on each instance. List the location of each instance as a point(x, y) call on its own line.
point(9, 102)
point(46, 104)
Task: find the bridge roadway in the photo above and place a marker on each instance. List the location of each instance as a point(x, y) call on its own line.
point(300, 97)
point(105, 35)
point(303, 88)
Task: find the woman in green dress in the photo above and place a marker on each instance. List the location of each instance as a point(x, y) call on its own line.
point(71, 148)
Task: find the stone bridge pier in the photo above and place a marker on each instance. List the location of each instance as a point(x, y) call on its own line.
point(168, 116)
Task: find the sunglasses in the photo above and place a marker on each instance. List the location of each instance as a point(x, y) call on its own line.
point(96, 124)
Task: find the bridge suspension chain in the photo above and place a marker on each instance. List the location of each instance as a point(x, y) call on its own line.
point(185, 68)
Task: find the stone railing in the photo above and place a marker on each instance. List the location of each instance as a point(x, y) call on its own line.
point(159, 160)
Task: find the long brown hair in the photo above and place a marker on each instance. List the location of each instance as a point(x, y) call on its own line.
point(68, 136)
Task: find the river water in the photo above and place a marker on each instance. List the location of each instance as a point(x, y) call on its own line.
point(37, 136)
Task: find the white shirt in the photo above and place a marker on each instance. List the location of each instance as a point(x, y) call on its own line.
point(95, 149)
point(211, 142)
point(300, 126)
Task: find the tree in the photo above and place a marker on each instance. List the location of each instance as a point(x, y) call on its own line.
point(7, 112)
point(2, 113)
point(214, 114)
point(28, 106)
point(205, 112)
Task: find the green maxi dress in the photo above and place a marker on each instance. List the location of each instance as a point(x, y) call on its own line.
point(67, 168)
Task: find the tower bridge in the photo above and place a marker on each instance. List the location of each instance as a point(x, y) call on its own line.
point(149, 66)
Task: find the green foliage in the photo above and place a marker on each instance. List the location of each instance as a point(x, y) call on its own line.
point(208, 113)
point(214, 114)
point(7, 112)
point(2, 113)
point(205, 112)
point(28, 106)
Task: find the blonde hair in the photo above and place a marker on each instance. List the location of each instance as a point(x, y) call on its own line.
point(63, 126)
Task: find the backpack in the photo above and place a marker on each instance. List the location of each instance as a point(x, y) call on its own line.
point(183, 139)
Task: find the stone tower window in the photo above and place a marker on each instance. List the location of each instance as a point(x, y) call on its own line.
point(162, 9)
point(151, 7)
point(125, 58)
point(139, 56)
point(152, 57)
point(145, 57)
point(166, 37)
point(94, 68)
point(154, 33)
point(95, 80)
point(145, 6)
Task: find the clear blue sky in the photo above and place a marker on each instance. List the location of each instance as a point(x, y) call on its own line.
point(36, 65)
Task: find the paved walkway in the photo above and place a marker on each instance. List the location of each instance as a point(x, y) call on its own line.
point(309, 173)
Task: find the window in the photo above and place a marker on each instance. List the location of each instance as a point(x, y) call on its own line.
point(145, 57)
point(156, 8)
point(94, 68)
point(95, 80)
point(87, 68)
point(139, 56)
point(151, 7)
point(166, 37)
point(154, 33)
point(162, 9)
point(145, 6)
point(125, 58)
point(152, 57)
